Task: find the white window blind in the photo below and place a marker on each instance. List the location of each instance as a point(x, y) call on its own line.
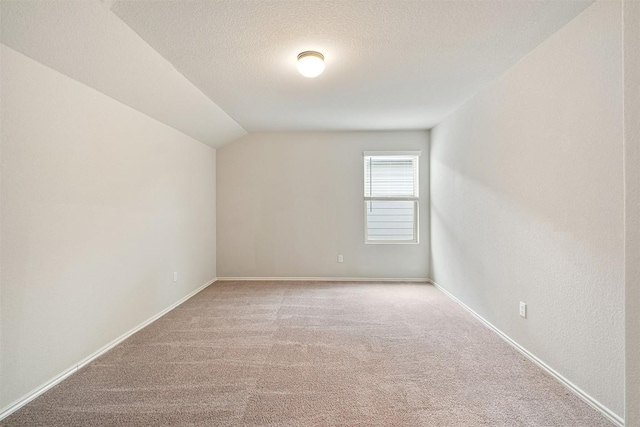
point(391, 197)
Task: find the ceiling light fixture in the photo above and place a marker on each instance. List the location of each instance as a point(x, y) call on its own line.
point(310, 63)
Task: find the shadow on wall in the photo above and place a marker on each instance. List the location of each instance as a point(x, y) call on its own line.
point(491, 253)
point(548, 134)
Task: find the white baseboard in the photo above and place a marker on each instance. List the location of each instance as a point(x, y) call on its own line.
point(610, 415)
point(325, 279)
point(5, 412)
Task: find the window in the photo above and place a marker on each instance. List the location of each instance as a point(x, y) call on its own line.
point(391, 197)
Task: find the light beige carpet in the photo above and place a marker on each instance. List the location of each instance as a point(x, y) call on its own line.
point(311, 354)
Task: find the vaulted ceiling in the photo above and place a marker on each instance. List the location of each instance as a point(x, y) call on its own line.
point(391, 64)
point(215, 69)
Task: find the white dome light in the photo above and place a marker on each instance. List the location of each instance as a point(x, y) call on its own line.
point(310, 63)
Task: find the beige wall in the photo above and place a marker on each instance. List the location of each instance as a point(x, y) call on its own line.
point(100, 205)
point(632, 207)
point(288, 204)
point(527, 203)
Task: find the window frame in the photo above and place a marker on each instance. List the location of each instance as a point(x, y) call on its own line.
point(415, 199)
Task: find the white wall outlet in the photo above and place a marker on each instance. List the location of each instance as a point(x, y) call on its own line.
point(340, 258)
point(175, 276)
point(523, 309)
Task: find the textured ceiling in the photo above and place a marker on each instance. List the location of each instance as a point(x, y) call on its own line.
point(88, 43)
point(391, 64)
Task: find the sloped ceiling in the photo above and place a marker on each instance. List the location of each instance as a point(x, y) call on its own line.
point(87, 42)
point(391, 64)
point(215, 69)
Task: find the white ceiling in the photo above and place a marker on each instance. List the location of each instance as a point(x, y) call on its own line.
point(391, 64)
point(213, 67)
point(85, 41)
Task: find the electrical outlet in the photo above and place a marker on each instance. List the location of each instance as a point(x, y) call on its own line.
point(523, 309)
point(175, 276)
point(340, 258)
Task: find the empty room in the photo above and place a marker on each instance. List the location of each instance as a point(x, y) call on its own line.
point(294, 213)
